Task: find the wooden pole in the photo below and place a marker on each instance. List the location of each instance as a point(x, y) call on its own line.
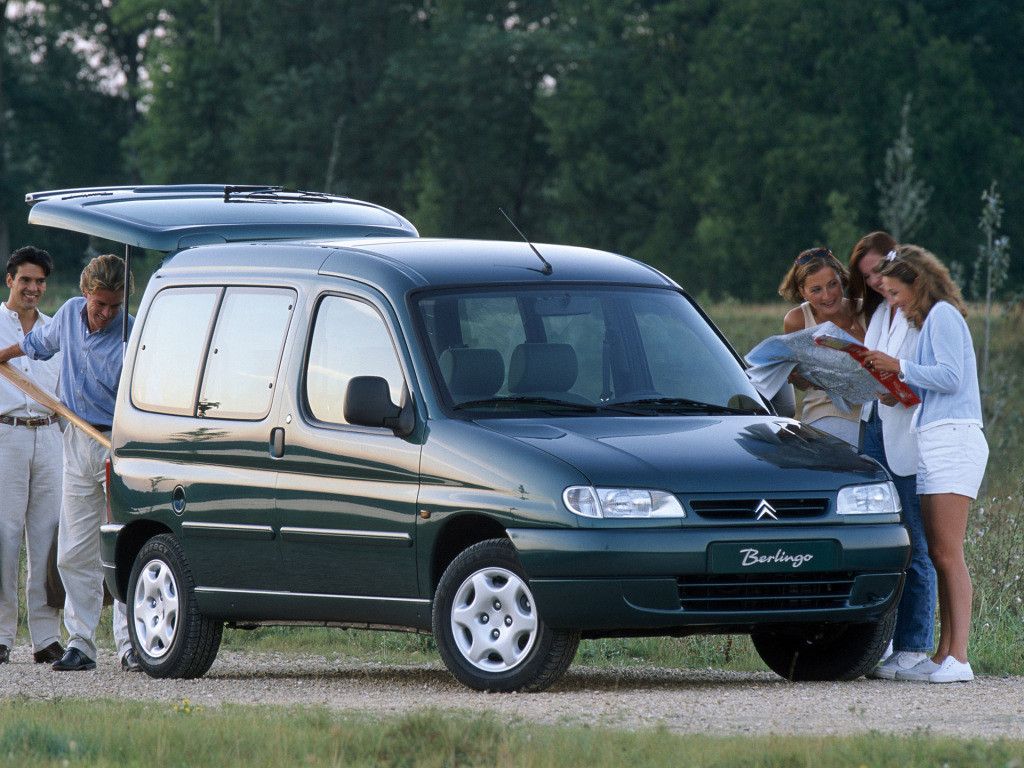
point(18, 379)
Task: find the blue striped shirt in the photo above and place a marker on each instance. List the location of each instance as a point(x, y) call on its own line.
point(91, 365)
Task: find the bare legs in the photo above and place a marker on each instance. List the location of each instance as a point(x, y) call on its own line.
point(945, 525)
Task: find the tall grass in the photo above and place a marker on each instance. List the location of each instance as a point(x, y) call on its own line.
point(124, 735)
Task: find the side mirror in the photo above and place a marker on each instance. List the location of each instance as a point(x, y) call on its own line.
point(368, 404)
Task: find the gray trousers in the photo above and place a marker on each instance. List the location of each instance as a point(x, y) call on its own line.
point(30, 482)
point(78, 544)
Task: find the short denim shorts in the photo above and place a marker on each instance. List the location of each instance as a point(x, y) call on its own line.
point(952, 459)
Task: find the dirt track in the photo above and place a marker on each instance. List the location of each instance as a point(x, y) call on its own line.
point(693, 701)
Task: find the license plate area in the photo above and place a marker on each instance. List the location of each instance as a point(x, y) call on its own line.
point(773, 556)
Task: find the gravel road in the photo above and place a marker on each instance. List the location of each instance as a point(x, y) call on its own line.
point(688, 701)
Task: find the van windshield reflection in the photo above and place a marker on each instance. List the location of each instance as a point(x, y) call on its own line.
point(580, 349)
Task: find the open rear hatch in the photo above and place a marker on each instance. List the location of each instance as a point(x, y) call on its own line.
point(170, 218)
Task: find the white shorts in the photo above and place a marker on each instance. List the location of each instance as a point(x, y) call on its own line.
point(952, 459)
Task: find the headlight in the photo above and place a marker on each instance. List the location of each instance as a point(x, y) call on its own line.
point(587, 501)
point(875, 499)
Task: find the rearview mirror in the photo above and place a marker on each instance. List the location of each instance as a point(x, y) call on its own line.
point(368, 404)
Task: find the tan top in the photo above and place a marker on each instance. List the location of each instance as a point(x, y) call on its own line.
point(816, 404)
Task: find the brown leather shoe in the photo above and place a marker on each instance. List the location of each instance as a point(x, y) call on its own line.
point(5, 654)
point(49, 654)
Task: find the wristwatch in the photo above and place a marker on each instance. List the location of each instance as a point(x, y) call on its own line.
point(901, 376)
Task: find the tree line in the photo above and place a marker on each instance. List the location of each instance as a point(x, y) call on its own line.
point(714, 139)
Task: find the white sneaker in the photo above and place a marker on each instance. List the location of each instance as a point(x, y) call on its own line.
point(919, 673)
point(904, 660)
point(952, 671)
point(887, 655)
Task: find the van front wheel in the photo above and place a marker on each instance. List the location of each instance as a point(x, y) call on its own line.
point(834, 652)
point(487, 626)
point(170, 636)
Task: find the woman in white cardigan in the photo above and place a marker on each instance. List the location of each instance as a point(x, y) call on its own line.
point(888, 438)
point(953, 451)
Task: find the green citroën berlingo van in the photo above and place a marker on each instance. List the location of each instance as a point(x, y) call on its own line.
point(326, 419)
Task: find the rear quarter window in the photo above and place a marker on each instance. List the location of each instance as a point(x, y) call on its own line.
point(171, 350)
point(212, 351)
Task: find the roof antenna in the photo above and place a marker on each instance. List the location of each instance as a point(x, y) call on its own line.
point(547, 268)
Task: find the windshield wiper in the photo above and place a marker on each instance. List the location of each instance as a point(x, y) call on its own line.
point(678, 404)
point(522, 400)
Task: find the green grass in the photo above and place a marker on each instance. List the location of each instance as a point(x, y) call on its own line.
point(61, 733)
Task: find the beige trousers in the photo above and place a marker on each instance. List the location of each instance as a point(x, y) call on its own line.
point(30, 482)
point(78, 544)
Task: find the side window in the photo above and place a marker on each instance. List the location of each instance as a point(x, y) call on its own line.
point(245, 353)
point(170, 352)
point(349, 339)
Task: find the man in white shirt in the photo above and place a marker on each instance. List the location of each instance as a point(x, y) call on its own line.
point(30, 465)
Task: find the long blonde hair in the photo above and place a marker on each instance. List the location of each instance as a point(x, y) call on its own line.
point(927, 277)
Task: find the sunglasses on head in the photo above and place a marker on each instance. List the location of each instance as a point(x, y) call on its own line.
point(818, 253)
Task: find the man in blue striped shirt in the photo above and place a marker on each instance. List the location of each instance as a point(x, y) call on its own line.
point(87, 330)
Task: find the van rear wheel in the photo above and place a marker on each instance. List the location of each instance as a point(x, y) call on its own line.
point(833, 652)
point(170, 637)
point(487, 626)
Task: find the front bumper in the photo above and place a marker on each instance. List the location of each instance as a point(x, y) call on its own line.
point(669, 580)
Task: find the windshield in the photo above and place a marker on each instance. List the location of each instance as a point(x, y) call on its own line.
point(580, 350)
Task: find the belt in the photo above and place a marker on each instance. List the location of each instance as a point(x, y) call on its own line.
point(39, 421)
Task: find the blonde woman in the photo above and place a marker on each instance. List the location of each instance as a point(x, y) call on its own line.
point(817, 281)
point(953, 451)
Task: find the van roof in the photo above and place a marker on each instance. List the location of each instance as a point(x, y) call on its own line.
point(402, 264)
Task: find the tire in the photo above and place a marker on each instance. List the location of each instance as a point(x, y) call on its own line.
point(170, 637)
point(834, 652)
point(487, 627)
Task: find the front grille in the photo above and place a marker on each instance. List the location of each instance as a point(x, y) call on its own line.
point(744, 509)
point(764, 591)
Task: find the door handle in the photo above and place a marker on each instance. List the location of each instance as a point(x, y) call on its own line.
point(277, 442)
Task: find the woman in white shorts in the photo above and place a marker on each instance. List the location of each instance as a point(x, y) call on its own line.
point(953, 450)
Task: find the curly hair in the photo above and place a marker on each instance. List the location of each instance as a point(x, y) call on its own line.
point(928, 279)
point(106, 273)
point(806, 264)
point(880, 243)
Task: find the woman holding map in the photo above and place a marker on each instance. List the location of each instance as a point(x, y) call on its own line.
point(953, 451)
point(888, 438)
point(818, 280)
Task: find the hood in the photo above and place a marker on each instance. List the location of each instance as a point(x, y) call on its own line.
point(696, 454)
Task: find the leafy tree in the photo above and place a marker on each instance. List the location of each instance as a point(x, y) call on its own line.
point(194, 98)
point(5, 132)
point(61, 125)
point(778, 113)
point(620, 63)
point(990, 268)
point(841, 231)
point(903, 199)
point(460, 108)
